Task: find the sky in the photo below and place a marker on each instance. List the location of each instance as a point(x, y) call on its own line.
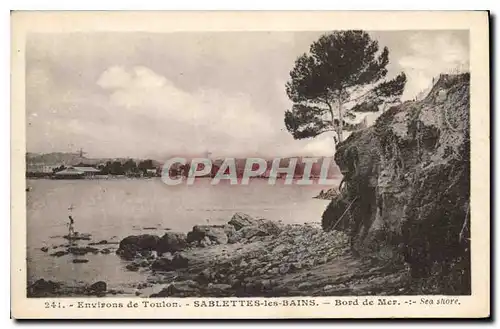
point(158, 95)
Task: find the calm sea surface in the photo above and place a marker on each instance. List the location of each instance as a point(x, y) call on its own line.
point(112, 209)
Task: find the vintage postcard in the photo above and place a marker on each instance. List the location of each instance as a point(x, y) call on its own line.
point(186, 165)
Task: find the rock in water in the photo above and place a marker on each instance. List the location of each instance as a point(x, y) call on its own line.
point(80, 261)
point(78, 236)
point(59, 253)
point(133, 245)
point(98, 243)
point(98, 287)
point(240, 220)
point(80, 251)
point(171, 242)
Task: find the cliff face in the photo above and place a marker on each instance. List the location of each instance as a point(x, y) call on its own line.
point(405, 193)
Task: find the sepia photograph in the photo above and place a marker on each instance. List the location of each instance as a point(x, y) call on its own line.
point(304, 163)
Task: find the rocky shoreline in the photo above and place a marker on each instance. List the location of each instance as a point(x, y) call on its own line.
point(245, 257)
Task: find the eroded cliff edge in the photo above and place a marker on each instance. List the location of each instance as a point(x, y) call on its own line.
point(406, 188)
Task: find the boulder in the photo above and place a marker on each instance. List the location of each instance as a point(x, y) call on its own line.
point(98, 287)
point(247, 228)
point(218, 234)
point(270, 227)
point(132, 245)
point(240, 220)
point(171, 242)
point(43, 287)
point(144, 241)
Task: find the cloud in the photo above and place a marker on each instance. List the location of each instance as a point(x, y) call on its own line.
point(428, 55)
point(140, 92)
point(141, 113)
point(114, 77)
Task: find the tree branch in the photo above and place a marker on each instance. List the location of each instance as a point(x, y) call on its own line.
point(331, 112)
point(361, 96)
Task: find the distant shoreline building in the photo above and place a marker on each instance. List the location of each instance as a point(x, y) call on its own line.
point(88, 171)
point(69, 173)
point(76, 173)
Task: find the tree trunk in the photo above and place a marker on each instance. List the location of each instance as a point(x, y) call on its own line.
point(341, 119)
point(332, 121)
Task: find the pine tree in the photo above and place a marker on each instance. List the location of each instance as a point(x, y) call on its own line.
point(342, 74)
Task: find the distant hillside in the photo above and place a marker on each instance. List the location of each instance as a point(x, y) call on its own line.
point(57, 158)
point(69, 159)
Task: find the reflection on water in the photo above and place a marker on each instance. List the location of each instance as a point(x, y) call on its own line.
point(113, 209)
